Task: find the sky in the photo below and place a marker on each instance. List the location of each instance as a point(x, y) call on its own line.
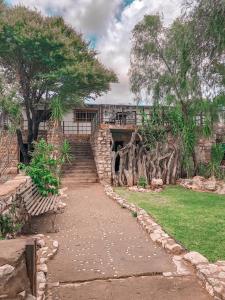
point(108, 24)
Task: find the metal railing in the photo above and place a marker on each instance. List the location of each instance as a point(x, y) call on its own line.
point(78, 128)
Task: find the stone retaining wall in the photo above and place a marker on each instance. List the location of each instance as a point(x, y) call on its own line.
point(9, 153)
point(14, 281)
point(101, 145)
point(9, 204)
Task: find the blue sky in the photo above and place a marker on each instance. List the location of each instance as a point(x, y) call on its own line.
point(108, 24)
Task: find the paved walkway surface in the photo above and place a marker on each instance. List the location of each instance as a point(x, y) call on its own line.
point(105, 255)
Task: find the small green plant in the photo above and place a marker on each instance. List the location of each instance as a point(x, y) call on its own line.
point(7, 226)
point(134, 214)
point(65, 152)
point(142, 182)
point(213, 168)
point(43, 168)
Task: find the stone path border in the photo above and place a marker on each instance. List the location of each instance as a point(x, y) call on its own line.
point(47, 250)
point(212, 275)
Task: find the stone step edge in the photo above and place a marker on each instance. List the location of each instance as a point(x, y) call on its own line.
point(212, 275)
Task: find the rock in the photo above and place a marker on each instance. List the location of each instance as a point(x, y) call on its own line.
point(41, 277)
point(209, 289)
point(168, 274)
point(157, 183)
point(22, 295)
point(55, 244)
point(44, 249)
point(42, 268)
point(6, 270)
point(41, 243)
point(174, 248)
point(195, 258)
point(42, 286)
point(43, 260)
point(54, 251)
point(210, 185)
point(198, 181)
point(221, 275)
point(40, 235)
point(155, 236)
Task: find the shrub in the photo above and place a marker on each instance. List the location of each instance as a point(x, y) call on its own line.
point(7, 226)
point(43, 168)
point(142, 182)
point(213, 168)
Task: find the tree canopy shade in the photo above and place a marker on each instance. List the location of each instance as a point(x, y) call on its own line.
point(49, 59)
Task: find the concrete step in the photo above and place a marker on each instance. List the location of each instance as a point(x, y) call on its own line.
point(81, 179)
point(80, 164)
point(78, 181)
point(77, 172)
point(89, 155)
point(81, 149)
point(88, 158)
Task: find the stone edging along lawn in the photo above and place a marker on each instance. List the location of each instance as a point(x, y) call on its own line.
point(212, 275)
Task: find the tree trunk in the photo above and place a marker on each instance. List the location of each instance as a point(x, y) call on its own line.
point(21, 146)
point(137, 161)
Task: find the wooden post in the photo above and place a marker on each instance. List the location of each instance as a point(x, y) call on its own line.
point(31, 260)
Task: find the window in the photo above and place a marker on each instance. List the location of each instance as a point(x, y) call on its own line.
point(200, 120)
point(84, 116)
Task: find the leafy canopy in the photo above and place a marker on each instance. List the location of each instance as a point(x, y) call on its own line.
point(48, 57)
point(169, 72)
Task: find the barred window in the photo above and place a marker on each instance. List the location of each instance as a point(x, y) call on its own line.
point(200, 119)
point(84, 116)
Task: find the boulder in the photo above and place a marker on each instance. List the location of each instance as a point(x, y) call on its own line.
point(195, 258)
point(198, 181)
point(156, 183)
point(210, 186)
point(6, 270)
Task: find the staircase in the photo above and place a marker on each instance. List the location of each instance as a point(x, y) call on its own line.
point(81, 170)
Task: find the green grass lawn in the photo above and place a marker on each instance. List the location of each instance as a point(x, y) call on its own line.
point(197, 220)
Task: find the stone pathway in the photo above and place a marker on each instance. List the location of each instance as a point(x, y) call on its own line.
point(104, 254)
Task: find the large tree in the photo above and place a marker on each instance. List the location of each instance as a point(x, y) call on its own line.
point(48, 59)
point(164, 71)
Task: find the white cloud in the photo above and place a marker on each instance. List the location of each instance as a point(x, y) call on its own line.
point(87, 16)
point(98, 17)
point(115, 46)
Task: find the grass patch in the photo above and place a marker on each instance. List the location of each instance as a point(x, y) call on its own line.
point(195, 219)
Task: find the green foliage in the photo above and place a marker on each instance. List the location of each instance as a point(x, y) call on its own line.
point(10, 106)
point(168, 69)
point(65, 152)
point(142, 182)
point(213, 168)
point(57, 110)
point(217, 154)
point(49, 60)
point(45, 165)
point(153, 128)
point(208, 33)
point(43, 168)
point(7, 226)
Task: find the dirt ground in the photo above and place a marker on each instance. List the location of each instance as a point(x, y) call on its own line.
point(104, 254)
